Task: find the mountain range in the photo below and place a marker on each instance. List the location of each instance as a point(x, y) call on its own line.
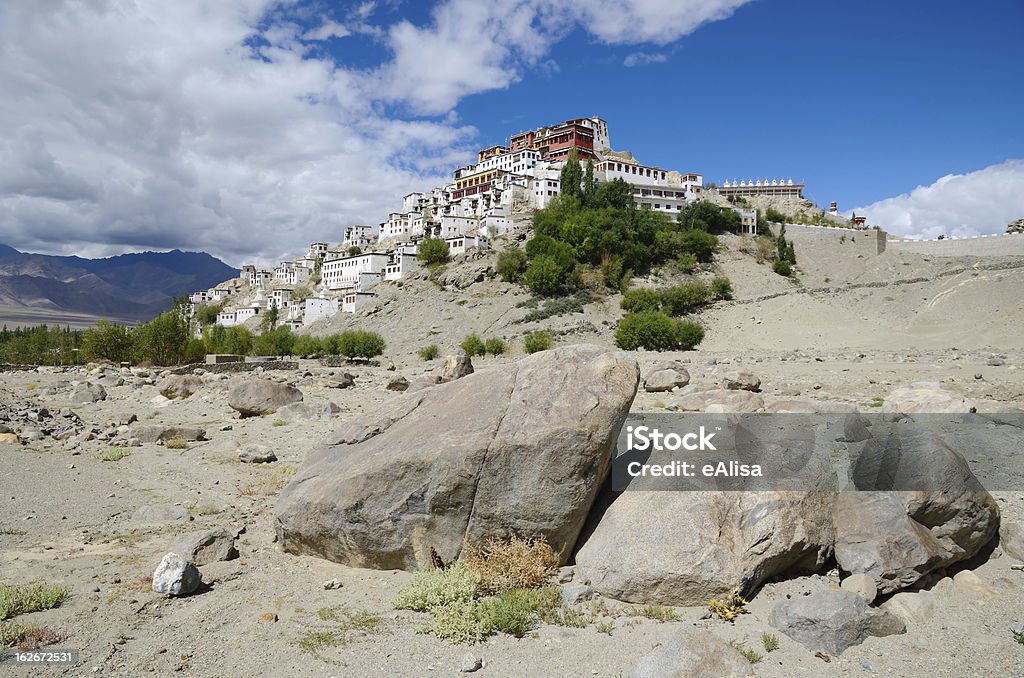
point(128, 288)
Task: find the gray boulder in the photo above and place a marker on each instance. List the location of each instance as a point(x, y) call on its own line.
point(832, 621)
point(719, 400)
point(256, 454)
point(155, 433)
point(178, 386)
point(343, 380)
point(683, 548)
point(88, 393)
point(254, 397)
point(398, 383)
point(693, 653)
point(455, 367)
point(925, 398)
point(939, 516)
point(666, 379)
point(209, 546)
point(176, 576)
point(308, 411)
point(437, 467)
point(1011, 538)
point(161, 513)
point(741, 381)
point(576, 593)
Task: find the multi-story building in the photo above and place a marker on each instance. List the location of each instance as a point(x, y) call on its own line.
point(774, 187)
point(588, 136)
point(348, 272)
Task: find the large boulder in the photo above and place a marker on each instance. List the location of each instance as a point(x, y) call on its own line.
point(178, 386)
point(693, 653)
point(87, 392)
point(308, 411)
point(832, 621)
point(918, 509)
point(210, 546)
point(719, 400)
point(455, 367)
point(519, 449)
point(926, 397)
point(253, 397)
point(683, 548)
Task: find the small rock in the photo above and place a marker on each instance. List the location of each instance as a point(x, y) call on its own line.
point(332, 584)
point(268, 617)
point(832, 621)
point(861, 584)
point(161, 513)
point(741, 381)
point(256, 454)
point(206, 547)
point(666, 379)
point(565, 574)
point(470, 663)
point(455, 367)
point(576, 593)
point(398, 383)
point(176, 576)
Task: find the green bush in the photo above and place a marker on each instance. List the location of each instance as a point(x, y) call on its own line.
point(279, 342)
point(687, 262)
point(355, 344)
point(570, 303)
point(721, 288)
point(494, 346)
point(685, 298)
point(544, 276)
point(700, 244)
point(539, 340)
point(655, 331)
point(511, 264)
point(430, 352)
point(782, 267)
point(772, 214)
point(641, 299)
point(22, 599)
point(432, 251)
point(435, 588)
point(473, 345)
point(307, 345)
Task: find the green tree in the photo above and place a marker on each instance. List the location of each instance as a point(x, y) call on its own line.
point(207, 314)
point(655, 331)
point(269, 320)
point(544, 276)
point(279, 341)
point(571, 177)
point(107, 341)
point(354, 251)
point(511, 264)
point(356, 344)
point(589, 187)
point(432, 251)
point(164, 339)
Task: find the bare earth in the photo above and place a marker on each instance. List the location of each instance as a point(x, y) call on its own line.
point(67, 515)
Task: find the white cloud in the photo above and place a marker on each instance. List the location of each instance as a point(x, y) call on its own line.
point(131, 124)
point(977, 203)
point(644, 58)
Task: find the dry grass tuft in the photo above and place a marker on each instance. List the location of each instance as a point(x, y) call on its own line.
point(504, 565)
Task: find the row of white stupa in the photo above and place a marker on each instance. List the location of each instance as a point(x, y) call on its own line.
point(759, 182)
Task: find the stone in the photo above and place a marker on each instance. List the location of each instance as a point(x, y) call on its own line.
point(210, 546)
point(470, 663)
point(343, 380)
point(176, 576)
point(996, 361)
point(798, 406)
point(862, 585)
point(179, 386)
point(683, 548)
point(161, 513)
point(565, 574)
point(88, 393)
point(150, 433)
point(256, 454)
point(1011, 538)
point(308, 411)
point(270, 617)
point(9, 439)
point(832, 621)
point(576, 593)
point(397, 383)
point(663, 380)
point(741, 381)
point(968, 584)
point(455, 367)
point(332, 584)
point(719, 400)
point(924, 397)
point(911, 607)
point(693, 653)
point(254, 397)
point(382, 494)
point(941, 514)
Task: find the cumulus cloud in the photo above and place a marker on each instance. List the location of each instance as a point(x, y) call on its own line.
point(961, 205)
point(222, 127)
point(643, 58)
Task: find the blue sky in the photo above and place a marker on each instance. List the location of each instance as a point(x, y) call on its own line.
point(248, 128)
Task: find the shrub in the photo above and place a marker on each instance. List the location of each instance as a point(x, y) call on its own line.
point(473, 345)
point(432, 251)
point(433, 589)
point(28, 636)
point(176, 444)
point(539, 340)
point(641, 299)
point(772, 214)
point(461, 622)
point(22, 599)
point(115, 454)
point(684, 298)
point(544, 276)
point(782, 267)
point(571, 303)
point(279, 341)
point(356, 344)
point(770, 642)
point(494, 346)
point(721, 288)
point(656, 612)
point(516, 611)
point(700, 244)
point(511, 264)
point(655, 331)
point(687, 262)
point(515, 563)
point(430, 352)
point(306, 345)
point(107, 342)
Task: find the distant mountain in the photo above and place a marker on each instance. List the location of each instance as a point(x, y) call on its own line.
point(126, 288)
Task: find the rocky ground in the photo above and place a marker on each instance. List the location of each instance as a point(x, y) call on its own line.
point(78, 512)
